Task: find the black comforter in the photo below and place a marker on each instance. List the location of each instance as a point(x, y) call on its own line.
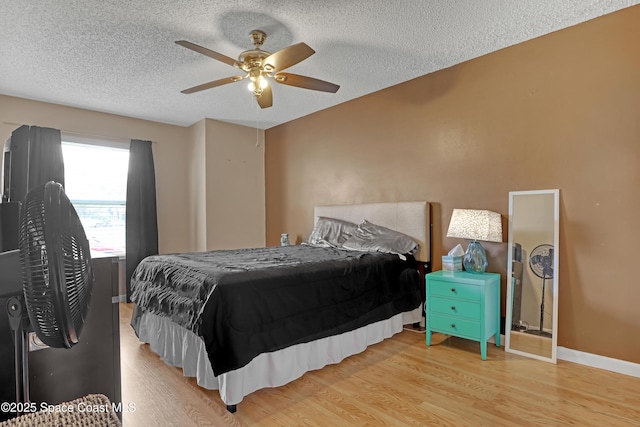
point(250, 301)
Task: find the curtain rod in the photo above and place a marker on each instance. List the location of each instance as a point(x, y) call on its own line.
point(85, 135)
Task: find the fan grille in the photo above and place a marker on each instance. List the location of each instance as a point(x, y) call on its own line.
point(56, 266)
point(541, 261)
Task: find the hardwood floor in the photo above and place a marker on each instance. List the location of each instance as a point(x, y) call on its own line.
point(532, 344)
point(399, 382)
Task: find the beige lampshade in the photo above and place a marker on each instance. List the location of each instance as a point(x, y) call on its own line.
point(476, 225)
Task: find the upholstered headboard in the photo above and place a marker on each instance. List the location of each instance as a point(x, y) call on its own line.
point(410, 218)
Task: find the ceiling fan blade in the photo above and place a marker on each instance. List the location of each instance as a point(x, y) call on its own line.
point(213, 84)
point(285, 58)
point(265, 100)
point(207, 52)
point(305, 82)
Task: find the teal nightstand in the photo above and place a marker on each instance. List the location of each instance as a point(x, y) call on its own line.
point(466, 305)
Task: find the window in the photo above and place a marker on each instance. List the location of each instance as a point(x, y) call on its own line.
point(96, 183)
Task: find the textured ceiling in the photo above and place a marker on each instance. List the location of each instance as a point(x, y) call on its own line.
point(119, 56)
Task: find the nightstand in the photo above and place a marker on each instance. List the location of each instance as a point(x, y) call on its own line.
point(466, 305)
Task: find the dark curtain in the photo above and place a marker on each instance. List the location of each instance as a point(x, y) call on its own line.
point(142, 217)
point(36, 158)
point(45, 156)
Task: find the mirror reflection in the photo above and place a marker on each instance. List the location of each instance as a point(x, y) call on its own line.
point(532, 297)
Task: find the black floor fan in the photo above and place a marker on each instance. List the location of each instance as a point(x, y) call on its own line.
point(541, 264)
point(51, 296)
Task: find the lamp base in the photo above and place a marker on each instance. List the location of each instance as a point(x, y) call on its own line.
point(475, 258)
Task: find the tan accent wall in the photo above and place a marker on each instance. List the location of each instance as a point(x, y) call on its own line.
point(560, 111)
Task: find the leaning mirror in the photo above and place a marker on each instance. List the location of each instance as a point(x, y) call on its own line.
point(532, 291)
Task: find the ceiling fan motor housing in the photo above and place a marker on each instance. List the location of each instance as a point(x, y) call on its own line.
point(258, 37)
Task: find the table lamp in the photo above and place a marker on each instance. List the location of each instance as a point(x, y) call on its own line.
point(475, 225)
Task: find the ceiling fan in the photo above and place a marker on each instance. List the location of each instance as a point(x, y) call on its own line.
point(261, 66)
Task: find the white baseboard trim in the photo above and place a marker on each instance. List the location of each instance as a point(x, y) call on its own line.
point(593, 360)
point(597, 361)
point(588, 359)
point(118, 299)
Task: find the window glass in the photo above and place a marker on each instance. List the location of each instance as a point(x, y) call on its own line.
point(96, 183)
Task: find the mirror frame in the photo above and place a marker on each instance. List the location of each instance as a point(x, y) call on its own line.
point(509, 299)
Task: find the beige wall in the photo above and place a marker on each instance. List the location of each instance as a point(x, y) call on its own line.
point(196, 191)
point(196, 187)
point(168, 151)
point(235, 186)
point(560, 111)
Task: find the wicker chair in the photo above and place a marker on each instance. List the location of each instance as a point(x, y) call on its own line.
point(93, 410)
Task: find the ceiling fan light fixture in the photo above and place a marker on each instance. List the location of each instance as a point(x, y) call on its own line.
point(257, 84)
point(259, 64)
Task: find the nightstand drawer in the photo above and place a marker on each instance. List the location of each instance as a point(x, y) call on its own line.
point(455, 326)
point(463, 304)
point(455, 307)
point(455, 290)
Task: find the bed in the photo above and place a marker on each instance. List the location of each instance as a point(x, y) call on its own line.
point(239, 321)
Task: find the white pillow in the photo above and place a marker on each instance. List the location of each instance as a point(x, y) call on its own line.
point(330, 232)
point(376, 238)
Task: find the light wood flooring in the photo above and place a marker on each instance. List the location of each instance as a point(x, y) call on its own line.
point(532, 344)
point(399, 382)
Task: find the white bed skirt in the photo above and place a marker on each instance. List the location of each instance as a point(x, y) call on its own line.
point(180, 347)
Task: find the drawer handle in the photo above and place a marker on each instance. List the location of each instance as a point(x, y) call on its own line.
point(453, 290)
point(453, 308)
point(453, 326)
